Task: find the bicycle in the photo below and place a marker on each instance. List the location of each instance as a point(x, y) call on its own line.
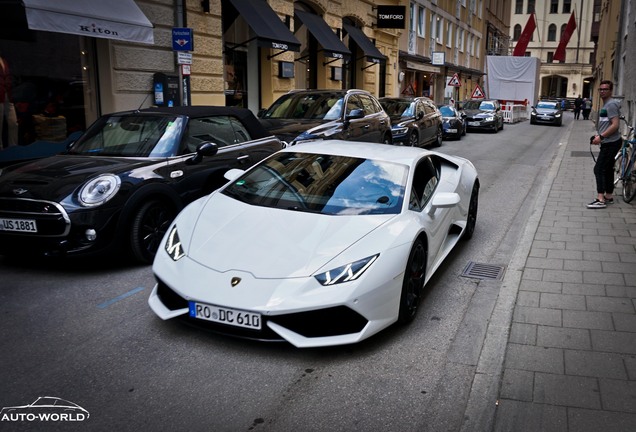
point(624, 164)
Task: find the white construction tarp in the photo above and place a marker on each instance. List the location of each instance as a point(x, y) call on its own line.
point(512, 78)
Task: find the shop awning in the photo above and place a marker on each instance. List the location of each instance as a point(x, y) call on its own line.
point(370, 51)
point(269, 30)
point(332, 46)
point(119, 20)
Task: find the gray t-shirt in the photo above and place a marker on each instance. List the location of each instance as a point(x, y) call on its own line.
point(611, 109)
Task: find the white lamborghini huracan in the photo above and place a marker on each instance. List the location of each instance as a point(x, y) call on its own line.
point(323, 243)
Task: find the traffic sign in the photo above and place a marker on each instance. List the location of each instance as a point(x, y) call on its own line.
point(454, 81)
point(478, 93)
point(182, 39)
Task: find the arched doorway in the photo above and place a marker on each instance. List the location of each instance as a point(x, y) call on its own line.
point(554, 86)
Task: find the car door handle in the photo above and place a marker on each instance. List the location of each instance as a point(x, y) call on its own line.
point(367, 126)
point(243, 158)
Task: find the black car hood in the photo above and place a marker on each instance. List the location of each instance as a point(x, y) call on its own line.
point(289, 129)
point(56, 177)
point(475, 113)
point(546, 110)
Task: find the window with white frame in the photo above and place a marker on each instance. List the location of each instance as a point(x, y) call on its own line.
point(412, 17)
point(439, 23)
point(449, 33)
point(421, 23)
point(460, 41)
point(477, 47)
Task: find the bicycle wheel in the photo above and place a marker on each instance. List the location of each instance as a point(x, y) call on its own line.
point(629, 186)
point(619, 167)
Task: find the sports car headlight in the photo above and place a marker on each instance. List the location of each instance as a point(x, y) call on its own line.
point(489, 119)
point(557, 115)
point(99, 190)
point(399, 130)
point(533, 113)
point(346, 273)
point(173, 246)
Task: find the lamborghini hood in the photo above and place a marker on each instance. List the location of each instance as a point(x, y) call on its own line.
point(273, 243)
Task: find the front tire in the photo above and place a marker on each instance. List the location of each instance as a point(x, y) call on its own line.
point(413, 283)
point(387, 139)
point(414, 140)
point(471, 218)
point(148, 228)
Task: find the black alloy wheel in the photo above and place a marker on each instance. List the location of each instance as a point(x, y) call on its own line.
point(414, 140)
point(413, 283)
point(148, 228)
point(471, 218)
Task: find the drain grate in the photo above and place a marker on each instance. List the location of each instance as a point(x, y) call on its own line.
point(483, 271)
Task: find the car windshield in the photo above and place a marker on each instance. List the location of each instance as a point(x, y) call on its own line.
point(548, 105)
point(399, 108)
point(132, 135)
point(447, 111)
point(325, 184)
point(327, 106)
point(480, 105)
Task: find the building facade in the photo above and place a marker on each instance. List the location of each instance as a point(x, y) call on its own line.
point(562, 79)
point(241, 52)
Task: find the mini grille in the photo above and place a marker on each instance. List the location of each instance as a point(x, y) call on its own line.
point(483, 271)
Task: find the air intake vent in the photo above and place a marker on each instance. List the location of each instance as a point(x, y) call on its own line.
point(483, 271)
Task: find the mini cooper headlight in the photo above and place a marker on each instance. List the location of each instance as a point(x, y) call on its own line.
point(346, 273)
point(99, 190)
point(173, 246)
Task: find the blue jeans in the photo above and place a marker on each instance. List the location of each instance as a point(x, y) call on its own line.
point(604, 168)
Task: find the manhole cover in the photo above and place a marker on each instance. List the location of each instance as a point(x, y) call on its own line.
point(483, 271)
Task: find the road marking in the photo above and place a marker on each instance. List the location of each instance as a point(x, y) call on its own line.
point(121, 297)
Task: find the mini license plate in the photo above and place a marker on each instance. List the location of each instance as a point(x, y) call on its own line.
point(18, 225)
point(451, 130)
point(223, 315)
point(473, 123)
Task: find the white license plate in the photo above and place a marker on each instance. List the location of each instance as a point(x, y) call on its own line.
point(451, 130)
point(223, 315)
point(18, 225)
point(473, 123)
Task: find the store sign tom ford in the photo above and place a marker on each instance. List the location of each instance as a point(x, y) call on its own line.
point(391, 17)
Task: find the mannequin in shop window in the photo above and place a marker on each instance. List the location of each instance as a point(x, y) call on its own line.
point(7, 111)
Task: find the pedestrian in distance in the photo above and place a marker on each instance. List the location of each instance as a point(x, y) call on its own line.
point(578, 104)
point(562, 104)
point(609, 139)
point(587, 108)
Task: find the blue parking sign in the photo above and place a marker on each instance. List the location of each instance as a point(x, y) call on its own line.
point(182, 39)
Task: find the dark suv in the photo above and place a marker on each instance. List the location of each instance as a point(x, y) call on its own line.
point(416, 121)
point(309, 115)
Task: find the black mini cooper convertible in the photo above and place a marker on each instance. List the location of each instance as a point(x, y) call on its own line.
point(124, 180)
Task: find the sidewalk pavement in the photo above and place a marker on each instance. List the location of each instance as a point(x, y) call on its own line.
point(569, 296)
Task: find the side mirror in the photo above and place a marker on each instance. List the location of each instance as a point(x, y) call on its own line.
point(444, 200)
point(355, 114)
point(233, 174)
point(204, 149)
point(419, 115)
point(261, 112)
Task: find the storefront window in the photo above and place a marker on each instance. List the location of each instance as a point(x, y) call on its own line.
point(47, 85)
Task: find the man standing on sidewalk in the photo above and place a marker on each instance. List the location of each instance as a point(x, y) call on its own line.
point(609, 138)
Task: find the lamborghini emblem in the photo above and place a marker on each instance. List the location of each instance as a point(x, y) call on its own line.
point(235, 281)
